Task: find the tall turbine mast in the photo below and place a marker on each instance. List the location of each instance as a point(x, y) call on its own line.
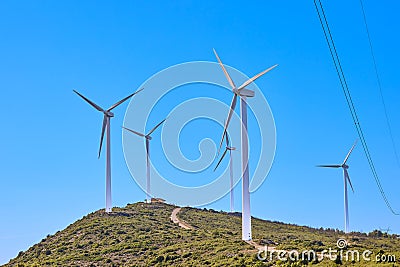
point(106, 128)
point(243, 93)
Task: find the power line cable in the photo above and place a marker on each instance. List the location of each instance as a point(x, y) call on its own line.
point(335, 57)
point(350, 102)
point(379, 84)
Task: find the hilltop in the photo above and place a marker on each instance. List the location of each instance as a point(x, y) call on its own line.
point(143, 234)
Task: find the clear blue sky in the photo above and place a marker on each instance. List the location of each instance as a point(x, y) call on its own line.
point(50, 174)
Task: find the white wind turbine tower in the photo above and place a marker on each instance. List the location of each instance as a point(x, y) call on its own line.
point(106, 126)
point(346, 179)
point(243, 93)
point(147, 138)
point(228, 148)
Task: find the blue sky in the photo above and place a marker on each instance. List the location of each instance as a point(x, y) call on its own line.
point(49, 137)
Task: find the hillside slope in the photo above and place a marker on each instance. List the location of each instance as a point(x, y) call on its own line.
point(143, 235)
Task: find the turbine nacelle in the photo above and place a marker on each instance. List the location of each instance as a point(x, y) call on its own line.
point(108, 113)
point(243, 92)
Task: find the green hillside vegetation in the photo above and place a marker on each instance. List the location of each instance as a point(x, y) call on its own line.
point(143, 235)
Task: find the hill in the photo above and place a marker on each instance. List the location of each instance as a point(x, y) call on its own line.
point(143, 234)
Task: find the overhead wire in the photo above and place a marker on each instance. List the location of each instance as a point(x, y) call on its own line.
point(379, 85)
point(335, 57)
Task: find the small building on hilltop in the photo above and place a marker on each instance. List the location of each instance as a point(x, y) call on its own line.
point(157, 200)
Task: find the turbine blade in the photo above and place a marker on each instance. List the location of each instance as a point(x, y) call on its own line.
point(225, 72)
point(155, 127)
point(249, 81)
point(329, 166)
point(348, 154)
point(346, 173)
point(123, 100)
point(231, 110)
point(89, 101)
point(102, 133)
point(222, 157)
point(132, 131)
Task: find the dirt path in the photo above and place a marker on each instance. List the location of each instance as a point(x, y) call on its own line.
point(175, 219)
point(260, 247)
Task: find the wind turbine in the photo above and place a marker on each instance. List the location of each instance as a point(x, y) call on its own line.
point(243, 93)
point(228, 148)
point(346, 179)
point(147, 138)
point(386, 231)
point(106, 126)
